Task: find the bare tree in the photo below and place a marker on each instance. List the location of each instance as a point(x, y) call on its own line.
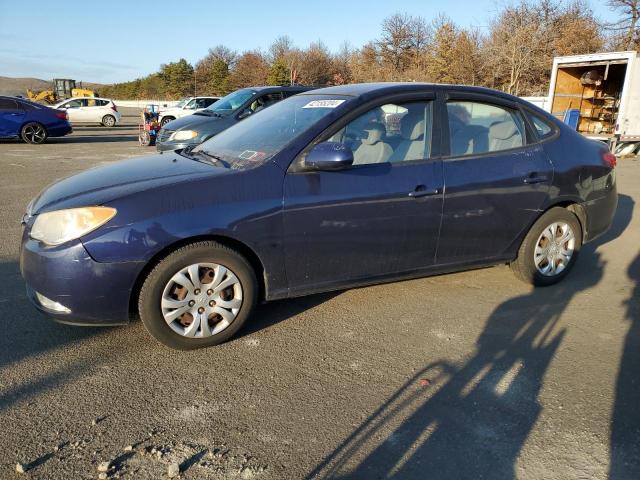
point(629, 25)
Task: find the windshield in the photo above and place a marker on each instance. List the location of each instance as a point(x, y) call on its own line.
point(258, 138)
point(231, 102)
point(181, 103)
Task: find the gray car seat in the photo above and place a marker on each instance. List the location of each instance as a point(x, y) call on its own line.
point(504, 135)
point(411, 147)
point(372, 148)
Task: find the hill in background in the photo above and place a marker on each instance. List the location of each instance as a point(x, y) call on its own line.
point(18, 86)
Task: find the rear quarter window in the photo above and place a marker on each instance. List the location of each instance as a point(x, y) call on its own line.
point(542, 127)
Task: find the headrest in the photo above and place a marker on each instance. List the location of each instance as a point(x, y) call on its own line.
point(412, 126)
point(374, 134)
point(503, 130)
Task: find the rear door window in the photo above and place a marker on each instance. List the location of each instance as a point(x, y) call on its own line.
point(542, 127)
point(8, 105)
point(476, 128)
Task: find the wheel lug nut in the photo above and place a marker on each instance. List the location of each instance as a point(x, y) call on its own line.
point(191, 303)
point(196, 291)
point(201, 310)
point(209, 292)
point(212, 303)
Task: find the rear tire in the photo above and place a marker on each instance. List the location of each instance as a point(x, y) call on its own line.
point(550, 248)
point(109, 121)
point(34, 133)
point(165, 294)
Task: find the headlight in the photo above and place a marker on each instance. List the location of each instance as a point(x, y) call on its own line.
point(54, 228)
point(183, 135)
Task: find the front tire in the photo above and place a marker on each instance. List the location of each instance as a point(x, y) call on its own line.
point(198, 296)
point(34, 133)
point(109, 121)
point(166, 120)
point(550, 248)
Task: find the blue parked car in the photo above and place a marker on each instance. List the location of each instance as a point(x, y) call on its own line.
point(32, 122)
point(330, 189)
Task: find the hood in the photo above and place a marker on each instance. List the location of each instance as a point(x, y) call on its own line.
point(102, 184)
point(202, 123)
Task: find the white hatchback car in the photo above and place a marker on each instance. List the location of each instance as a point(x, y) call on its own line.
point(185, 107)
point(91, 110)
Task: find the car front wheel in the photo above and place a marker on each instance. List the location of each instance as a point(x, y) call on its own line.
point(166, 120)
point(550, 249)
point(33, 132)
point(198, 296)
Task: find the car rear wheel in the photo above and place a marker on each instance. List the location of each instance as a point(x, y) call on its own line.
point(33, 132)
point(550, 249)
point(166, 120)
point(108, 120)
point(198, 296)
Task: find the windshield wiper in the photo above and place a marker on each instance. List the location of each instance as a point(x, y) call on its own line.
point(213, 158)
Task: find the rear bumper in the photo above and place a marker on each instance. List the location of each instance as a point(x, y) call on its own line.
point(600, 213)
point(59, 130)
point(91, 293)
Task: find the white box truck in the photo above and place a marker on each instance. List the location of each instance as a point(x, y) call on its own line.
point(605, 89)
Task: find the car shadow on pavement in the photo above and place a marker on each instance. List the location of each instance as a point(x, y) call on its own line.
point(625, 428)
point(277, 311)
point(94, 138)
point(26, 333)
point(470, 420)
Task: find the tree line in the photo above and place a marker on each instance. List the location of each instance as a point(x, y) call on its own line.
point(513, 53)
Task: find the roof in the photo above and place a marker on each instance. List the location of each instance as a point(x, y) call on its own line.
point(376, 89)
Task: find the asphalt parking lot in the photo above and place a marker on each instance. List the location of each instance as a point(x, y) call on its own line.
point(469, 375)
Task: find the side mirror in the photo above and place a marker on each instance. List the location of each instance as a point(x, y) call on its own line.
point(329, 156)
point(244, 114)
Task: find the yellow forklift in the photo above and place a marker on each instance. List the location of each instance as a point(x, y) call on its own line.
point(63, 88)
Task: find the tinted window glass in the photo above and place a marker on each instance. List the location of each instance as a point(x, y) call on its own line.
point(6, 104)
point(388, 134)
point(265, 101)
point(74, 104)
point(542, 127)
point(476, 128)
point(231, 102)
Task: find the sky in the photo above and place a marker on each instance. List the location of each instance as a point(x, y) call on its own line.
point(120, 40)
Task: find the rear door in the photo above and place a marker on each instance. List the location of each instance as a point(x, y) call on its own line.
point(11, 117)
point(377, 218)
point(496, 178)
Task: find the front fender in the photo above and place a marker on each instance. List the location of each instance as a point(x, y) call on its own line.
point(245, 206)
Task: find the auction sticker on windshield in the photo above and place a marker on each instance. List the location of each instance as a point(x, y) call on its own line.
point(323, 104)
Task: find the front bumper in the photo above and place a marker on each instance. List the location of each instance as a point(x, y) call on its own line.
point(94, 293)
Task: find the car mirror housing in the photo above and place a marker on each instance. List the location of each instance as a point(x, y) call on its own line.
point(329, 156)
point(244, 114)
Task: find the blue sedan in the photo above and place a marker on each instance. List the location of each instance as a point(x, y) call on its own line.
point(32, 122)
point(330, 189)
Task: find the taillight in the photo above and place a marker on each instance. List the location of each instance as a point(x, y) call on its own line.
point(62, 115)
point(609, 158)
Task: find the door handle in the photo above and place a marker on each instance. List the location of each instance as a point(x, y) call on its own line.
point(533, 178)
point(422, 191)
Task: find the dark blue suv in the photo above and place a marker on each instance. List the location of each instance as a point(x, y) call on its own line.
point(329, 189)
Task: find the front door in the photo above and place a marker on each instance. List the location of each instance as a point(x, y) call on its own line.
point(379, 217)
point(496, 180)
